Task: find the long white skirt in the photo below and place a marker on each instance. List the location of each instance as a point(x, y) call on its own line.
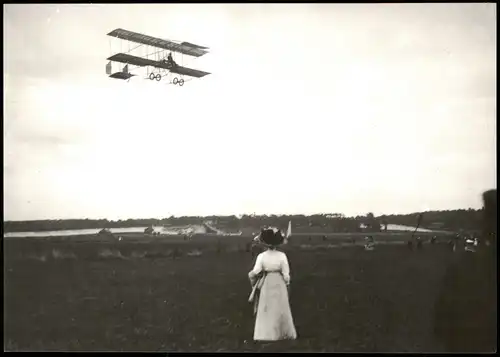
point(274, 317)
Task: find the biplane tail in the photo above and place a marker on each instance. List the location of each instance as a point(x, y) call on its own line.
point(124, 74)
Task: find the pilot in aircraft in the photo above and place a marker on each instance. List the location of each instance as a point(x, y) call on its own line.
point(170, 60)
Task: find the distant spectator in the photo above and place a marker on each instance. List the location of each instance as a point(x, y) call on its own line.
point(469, 246)
point(419, 243)
point(369, 243)
point(219, 247)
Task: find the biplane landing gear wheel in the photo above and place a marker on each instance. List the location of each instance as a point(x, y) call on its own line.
point(175, 81)
point(152, 76)
point(158, 77)
point(181, 82)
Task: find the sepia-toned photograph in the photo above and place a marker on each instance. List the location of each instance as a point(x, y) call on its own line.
point(272, 178)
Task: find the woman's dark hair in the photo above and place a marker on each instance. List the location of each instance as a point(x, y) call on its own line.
point(270, 237)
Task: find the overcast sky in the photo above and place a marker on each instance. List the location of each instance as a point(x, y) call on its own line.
point(309, 108)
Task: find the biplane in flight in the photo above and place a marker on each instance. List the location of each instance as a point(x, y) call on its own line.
point(157, 63)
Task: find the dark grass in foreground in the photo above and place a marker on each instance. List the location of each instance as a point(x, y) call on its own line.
point(136, 297)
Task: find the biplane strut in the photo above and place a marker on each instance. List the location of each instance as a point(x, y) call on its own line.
point(185, 48)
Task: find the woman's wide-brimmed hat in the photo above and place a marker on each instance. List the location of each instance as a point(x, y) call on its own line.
point(270, 236)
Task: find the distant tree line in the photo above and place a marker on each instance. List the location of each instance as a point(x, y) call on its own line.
point(467, 219)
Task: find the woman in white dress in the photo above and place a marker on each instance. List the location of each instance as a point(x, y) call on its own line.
point(270, 279)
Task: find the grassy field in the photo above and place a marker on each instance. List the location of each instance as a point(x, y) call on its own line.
point(176, 295)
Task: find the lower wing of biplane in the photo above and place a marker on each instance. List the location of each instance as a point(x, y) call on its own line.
point(144, 62)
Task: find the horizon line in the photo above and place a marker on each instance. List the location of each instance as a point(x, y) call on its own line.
point(239, 216)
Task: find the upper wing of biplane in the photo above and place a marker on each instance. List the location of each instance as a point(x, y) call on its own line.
point(143, 62)
point(185, 48)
